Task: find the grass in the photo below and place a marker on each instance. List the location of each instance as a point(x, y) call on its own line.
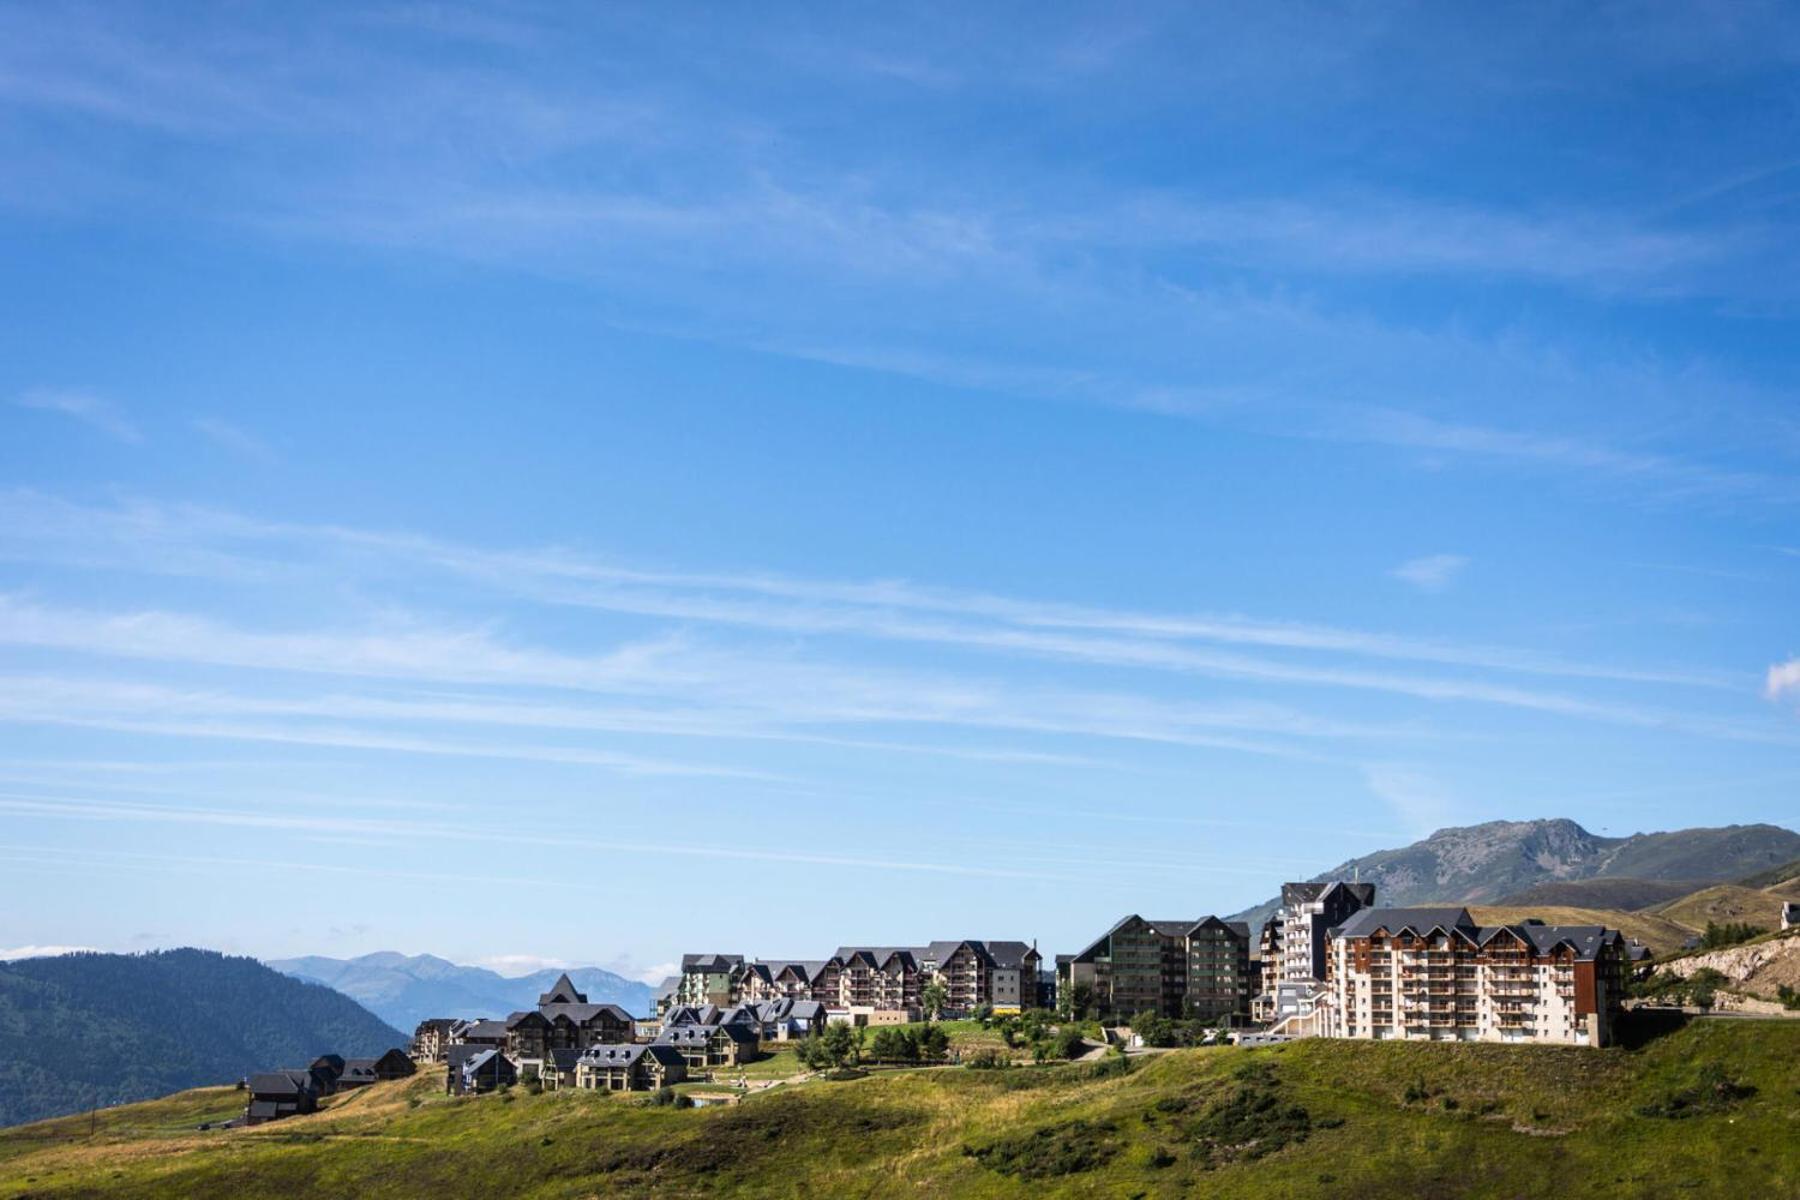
point(1724, 903)
point(1709, 1111)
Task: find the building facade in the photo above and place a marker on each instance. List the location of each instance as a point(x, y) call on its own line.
point(710, 979)
point(1434, 974)
point(1171, 968)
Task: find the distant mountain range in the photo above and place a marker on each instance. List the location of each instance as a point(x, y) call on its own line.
point(405, 989)
point(1494, 862)
point(87, 1030)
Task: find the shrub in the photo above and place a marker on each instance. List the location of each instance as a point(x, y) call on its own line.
point(987, 1060)
point(668, 1097)
point(1251, 1123)
point(1066, 1149)
point(1729, 934)
point(1712, 1091)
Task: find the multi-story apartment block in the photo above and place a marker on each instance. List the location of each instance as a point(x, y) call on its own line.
point(1434, 974)
point(1308, 910)
point(710, 979)
point(883, 978)
point(789, 980)
point(858, 981)
point(1294, 944)
point(1174, 968)
point(1000, 975)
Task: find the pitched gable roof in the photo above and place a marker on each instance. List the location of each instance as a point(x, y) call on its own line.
point(710, 964)
point(562, 992)
point(1417, 921)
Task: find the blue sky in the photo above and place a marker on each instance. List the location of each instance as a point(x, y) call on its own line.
point(526, 486)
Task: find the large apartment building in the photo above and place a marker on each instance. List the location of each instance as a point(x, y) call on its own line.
point(709, 979)
point(1434, 974)
point(858, 981)
point(999, 975)
point(1294, 951)
point(1198, 968)
point(1308, 911)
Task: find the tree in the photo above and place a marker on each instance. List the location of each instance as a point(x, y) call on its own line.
point(933, 999)
point(1079, 1003)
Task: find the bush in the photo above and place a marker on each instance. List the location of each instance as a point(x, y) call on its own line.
point(1066, 1149)
point(1729, 934)
point(668, 1097)
point(1712, 1091)
point(987, 1060)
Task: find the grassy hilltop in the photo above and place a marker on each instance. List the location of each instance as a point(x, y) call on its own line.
point(1710, 1111)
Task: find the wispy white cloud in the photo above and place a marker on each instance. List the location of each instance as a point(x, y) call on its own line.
point(1432, 573)
point(86, 407)
point(14, 953)
point(191, 541)
point(62, 808)
point(1415, 797)
point(514, 965)
point(1782, 679)
point(232, 438)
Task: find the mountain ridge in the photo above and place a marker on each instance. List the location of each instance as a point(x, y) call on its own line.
point(405, 989)
point(171, 1019)
point(1494, 860)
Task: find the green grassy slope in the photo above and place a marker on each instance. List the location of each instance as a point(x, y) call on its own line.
point(1310, 1119)
point(1727, 902)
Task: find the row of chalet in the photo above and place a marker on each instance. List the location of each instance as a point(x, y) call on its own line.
point(293, 1091)
point(562, 1020)
point(867, 984)
point(688, 1041)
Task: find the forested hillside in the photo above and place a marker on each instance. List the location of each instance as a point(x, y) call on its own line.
point(99, 1029)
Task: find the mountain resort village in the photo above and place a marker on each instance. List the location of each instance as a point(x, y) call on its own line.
point(1329, 963)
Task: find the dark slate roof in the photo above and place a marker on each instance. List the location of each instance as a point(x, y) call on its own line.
point(562, 1058)
point(277, 1083)
point(686, 1035)
point(693, 1014)
point(710, 964)
point(514, 1020)
point(359, 1070)
point(667, 986)
point(1584, 940)
point(803, 1010)
point(742, 1034)
point(562, 992)
point(334, 1062)
point(441, 1024)
point(456, 1056)
point(1415, 920)
point(1302, 893)
point(626, 1054)
point(491, 1029)
point(879, 956)
point(1009, 955)
point(264, 1109)
point(1240, 928)
point(942, 952)
point(584, 1012)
